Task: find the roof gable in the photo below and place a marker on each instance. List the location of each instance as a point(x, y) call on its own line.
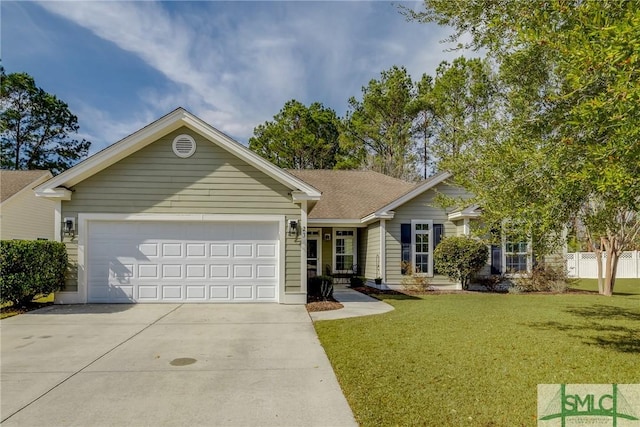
point(13, 182)
point(385, 211)
point(152, 132)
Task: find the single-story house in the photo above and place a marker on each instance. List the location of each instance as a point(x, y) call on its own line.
point(180, 212)
point(23, 215)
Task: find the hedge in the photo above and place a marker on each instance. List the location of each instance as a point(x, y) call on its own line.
point(30, 268)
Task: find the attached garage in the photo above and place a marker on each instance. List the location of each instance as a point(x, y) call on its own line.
point(178, 212)
point(182, 261)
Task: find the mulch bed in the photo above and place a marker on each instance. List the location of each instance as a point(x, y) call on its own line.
point(320, 304)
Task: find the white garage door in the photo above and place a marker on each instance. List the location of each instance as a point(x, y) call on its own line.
point(149, 261)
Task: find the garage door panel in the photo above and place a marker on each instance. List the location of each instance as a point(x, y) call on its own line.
point(196, 292)
point(220, 250)
point(196, 271)
point(170, 261)
point(220, 292)
point(196, 250)
point(243, 292)
point(220, 271)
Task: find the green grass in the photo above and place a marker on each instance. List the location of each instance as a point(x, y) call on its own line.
point(8, 310)
point(476, 359)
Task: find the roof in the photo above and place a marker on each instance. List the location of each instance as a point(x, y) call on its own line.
point(351, 194)
point(12, 182)
point(58, 186)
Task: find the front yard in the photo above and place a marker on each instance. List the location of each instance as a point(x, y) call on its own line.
point(476, 359)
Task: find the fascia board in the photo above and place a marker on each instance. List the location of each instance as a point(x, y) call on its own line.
point(58, 193)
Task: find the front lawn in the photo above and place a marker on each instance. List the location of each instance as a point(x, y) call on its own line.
point(476, 359)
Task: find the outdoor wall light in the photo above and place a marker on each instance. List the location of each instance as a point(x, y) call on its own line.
point(292, 230)
point(69, 226)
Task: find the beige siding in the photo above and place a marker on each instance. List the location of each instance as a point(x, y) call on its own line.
point(27, 217)
point(372, 251)
point(212, 181)
point(327, 250)
point(421, 207)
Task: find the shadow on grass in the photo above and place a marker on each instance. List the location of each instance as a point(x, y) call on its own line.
point(623, 335)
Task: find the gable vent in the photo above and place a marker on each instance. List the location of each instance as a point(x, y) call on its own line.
point(184, 146)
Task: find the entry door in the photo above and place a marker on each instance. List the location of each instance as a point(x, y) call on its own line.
point(314, 265)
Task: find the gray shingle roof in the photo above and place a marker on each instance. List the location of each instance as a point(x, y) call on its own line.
point(350, 194)
point(11, 182)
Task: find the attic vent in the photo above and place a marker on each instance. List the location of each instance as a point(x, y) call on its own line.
point(184, 146)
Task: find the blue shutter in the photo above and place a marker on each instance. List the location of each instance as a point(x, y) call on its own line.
point(405, 241)
point(438, 235)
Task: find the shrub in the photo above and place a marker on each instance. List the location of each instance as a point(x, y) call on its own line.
point(414, 283)
point(460, 258)
point(493, 283)
point(544, 278)
point(30, 268)
point(357, 281)
point(320, 286)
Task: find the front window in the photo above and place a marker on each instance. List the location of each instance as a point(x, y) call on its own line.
point(516, 257)
point(422, 245)
point(344, 250)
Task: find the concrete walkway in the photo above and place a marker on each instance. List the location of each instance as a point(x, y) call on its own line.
point(355, 304)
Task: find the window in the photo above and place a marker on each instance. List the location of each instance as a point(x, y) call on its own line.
point(418, 240)
point(516, 256)
point(421, 247)
point(344, 249)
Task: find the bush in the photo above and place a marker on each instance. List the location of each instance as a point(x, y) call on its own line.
point(415, 283)
point(544, 278)
point(320, 286)
point(30, 268)
point(460, 258)
point(357, 281)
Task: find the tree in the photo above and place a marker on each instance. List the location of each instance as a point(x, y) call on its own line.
point(300, 137)
point(35, 127)
point(463, 101)
point(571, 123)
point(460, 258)
point(379, 127)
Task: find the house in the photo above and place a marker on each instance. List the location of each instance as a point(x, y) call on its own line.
point(180, 212)
point(23, 215)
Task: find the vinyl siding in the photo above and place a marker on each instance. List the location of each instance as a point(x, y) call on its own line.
point(372, 251)
point(421, 207)
point(212, 181)
point(327, 250)
point(27, 217)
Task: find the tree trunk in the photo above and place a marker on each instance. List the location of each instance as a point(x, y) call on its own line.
point(613, 255)
point(598, 253)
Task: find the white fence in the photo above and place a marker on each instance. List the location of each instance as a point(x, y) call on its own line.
point(584, 265)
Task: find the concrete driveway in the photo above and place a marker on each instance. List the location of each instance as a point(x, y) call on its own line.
point(167, 365)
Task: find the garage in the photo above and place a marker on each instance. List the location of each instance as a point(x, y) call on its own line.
point(182, 261)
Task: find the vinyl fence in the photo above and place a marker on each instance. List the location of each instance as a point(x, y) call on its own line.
point(583, 265)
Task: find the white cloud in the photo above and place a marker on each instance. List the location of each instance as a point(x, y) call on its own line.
point(235, 64)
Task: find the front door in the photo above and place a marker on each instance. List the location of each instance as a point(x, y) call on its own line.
point(313, 253)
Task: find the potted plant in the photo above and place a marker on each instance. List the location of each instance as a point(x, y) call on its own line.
point(378, 280)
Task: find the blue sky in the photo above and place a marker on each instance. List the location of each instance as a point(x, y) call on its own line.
point(121, 65)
